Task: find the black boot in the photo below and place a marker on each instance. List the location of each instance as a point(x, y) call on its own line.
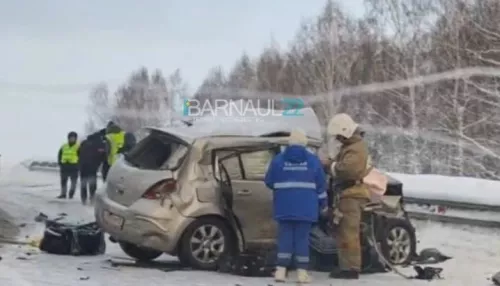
point(344, 274)
point(61, 196)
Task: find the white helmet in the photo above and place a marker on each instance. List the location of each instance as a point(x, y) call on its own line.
point(341, 124)
point(297, 137)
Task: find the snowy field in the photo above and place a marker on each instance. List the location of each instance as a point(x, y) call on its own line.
point(476, 251)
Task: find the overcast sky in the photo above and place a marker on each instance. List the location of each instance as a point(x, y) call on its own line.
point(71, 41)
point(85, 41)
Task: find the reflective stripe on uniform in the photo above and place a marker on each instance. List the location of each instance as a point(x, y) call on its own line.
point(299, 168)
point(288, 166)
point(323, 195)
point(302, 259)
point(284, 255)
point(291, 185)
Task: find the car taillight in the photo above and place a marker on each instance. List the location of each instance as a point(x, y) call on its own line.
point(159, 190)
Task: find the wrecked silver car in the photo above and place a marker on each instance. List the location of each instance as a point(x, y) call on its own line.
point(199, 194)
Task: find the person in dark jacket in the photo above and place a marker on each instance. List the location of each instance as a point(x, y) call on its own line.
point(92, 154)
point(68, 160)
point(298, 182)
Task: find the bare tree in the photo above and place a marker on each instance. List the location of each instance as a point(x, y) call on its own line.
point(98, 109)
point(212, 87)
point(177, 92)
point(417, 121)
point(460, 40)
point(330, 45)
point(144, 100)
point(269, 69)
point(406, 57)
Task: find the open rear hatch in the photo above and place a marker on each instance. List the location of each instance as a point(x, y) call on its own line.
point(152, 161)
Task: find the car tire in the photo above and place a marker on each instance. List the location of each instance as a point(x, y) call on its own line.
point(398, 242)
point(139, 253)
point(183, 260)
point(196, 241)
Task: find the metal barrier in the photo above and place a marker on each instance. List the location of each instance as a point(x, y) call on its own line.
point(453, 204)
point(454, 219)
point(45, 166)
point(52, 166)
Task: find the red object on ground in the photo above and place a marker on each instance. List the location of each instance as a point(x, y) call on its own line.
point(441, 209)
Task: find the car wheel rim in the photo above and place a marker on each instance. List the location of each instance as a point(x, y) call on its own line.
point(207, 243)
point(399, 242)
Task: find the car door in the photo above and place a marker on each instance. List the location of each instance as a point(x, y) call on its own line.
point(252, 200)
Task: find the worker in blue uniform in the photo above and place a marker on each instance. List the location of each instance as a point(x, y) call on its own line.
point(298, 181)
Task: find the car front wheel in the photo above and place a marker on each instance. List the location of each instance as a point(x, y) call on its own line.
point(204, 242)
point(139, 253)
point(398, 241)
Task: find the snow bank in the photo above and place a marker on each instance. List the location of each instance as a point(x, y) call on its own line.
point(456, 189)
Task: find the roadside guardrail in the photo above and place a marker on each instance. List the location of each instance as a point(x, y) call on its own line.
point(453, 204)
point(52, 166)
point(454, 219)
point(44, 166)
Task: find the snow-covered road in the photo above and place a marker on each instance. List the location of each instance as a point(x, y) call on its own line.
point(24, 194)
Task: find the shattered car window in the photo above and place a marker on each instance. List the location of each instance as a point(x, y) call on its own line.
point(232, 165)
point(175, 159)
point(256, 164)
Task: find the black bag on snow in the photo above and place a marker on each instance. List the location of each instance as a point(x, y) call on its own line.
point(69, 239)
point(249, 264)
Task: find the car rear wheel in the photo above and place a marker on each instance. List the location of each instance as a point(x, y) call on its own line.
point(139, 253)
point(398, 241)
point(204, 242)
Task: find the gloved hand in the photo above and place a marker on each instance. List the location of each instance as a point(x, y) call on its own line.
point(326, 161)
point(326, 213)
point(337, 216)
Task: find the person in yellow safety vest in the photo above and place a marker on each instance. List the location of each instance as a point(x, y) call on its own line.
point(116, 140)
point(68, 160)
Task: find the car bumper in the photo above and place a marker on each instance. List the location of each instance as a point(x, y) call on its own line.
point(159, 233)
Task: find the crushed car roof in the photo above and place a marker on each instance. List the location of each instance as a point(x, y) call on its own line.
point(252, 124)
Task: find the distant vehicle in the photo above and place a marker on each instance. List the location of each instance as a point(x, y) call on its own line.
point(198, 197)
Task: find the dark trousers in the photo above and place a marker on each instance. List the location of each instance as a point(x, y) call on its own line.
point(104, 170)
point(88, 186)
point(293, 241)
point(72, 175)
